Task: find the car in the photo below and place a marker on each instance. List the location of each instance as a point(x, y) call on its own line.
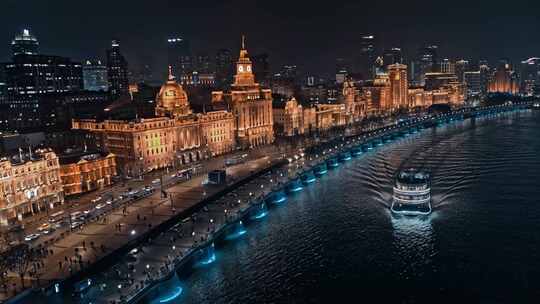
point(75, 224)
point(156, 181)
point(88, 211)
point(97, 199)
point(47, 231)
point(99, 206)
point(109, 201)
point(31, 237)
point(44, 226)
point(76, 214)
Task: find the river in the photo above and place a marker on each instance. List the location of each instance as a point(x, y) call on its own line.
point(336, 241)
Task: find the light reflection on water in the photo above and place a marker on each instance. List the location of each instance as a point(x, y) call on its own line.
point(337, 238)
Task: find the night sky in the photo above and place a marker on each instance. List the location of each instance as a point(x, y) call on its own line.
point(310, 34)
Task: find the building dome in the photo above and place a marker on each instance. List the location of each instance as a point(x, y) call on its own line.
point(172, 100)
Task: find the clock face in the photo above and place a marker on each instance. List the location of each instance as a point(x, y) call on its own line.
point(240, 68)
point(248, 68)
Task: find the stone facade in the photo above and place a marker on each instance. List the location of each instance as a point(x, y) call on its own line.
point(174, 138)
point(86, 172)
point(251, 105)
point(29, 184)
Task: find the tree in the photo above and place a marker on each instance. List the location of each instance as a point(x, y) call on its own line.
point(21, 259)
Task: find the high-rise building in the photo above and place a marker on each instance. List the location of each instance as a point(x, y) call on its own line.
point(426, 62)
point(530, 76)
point(95, 76)
point(261, 68)
point(447, 66)
point(28, 77)
point(251, 105)
point(504, 79)
point(461, 66)
point(392, 56)
point(485, 75)
point(180, 57)
point(203, 64)
point(3, 83)
point(472, 81)
point(117, 71)
point(24, 43)
point(367, 56)
point(224, 68)
point(397, 74)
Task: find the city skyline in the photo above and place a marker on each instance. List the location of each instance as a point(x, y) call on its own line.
point(305, 34)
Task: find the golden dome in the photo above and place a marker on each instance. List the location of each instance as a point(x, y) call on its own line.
point(172, 99)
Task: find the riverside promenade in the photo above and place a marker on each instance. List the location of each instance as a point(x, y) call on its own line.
point(78, 252)
point(185, 237)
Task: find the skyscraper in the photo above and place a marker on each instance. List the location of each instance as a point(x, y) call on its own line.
point(530, 76)
point(261, 68)
point(367, 56)
point(24, 43)
point(28, 77)
point(392, 56)
point(447, 66)
point(426, 62)
point(180, 57)
point(397, 74)
point(224, 68)
point(461, 67)
point(95, 76)
point(117, 70)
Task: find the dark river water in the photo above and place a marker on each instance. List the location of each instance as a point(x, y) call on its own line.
point(337, 242)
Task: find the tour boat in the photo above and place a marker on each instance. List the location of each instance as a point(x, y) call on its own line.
point(412, 193)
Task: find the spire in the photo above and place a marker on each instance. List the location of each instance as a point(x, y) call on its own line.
point(171, 76)
point(243, 42)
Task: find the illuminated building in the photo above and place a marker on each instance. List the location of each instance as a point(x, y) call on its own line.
point(426, 62)
point(329, 116)
point(437, 80)
point(472, 81)
point(29, 76)
point(24, 44)
point(447, 66)
point(460, 67)
point(378, 94)
point(198, 79)
point(354, 101)
point(251, 105)
point(95, 76)
point(288, 117)
point(83, 172)
point(117, 71)
point(392, 56)
point(504, 79)
point(397, 75)
point(418, 98)
point(530, 76)
point(179, 56)
point(224, 68)
point(261, 68)
point(175, 137)
point(29, 184)
point(367, 56)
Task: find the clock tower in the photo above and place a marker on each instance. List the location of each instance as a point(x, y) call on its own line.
point(244, 68)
